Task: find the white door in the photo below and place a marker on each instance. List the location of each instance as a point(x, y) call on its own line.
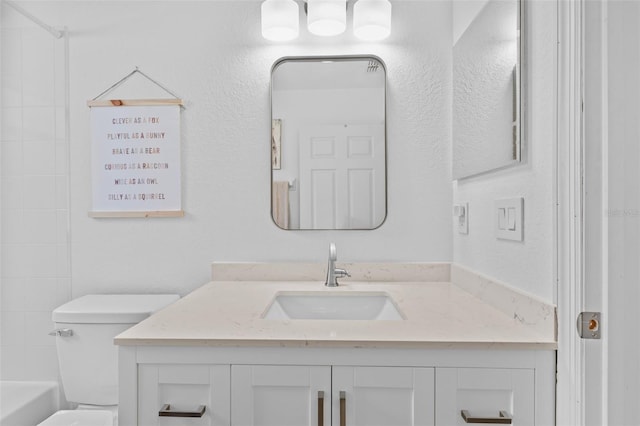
point(606, 235)
point(342, 177)
point(266, 395)
point(484, 395)
point(611, 388)
point(383, 396)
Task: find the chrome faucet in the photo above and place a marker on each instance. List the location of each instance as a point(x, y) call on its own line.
point(334, 273)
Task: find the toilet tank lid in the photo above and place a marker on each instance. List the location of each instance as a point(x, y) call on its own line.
point(112, 308)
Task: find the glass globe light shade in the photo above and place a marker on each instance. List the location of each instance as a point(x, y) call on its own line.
point(327, 17)
point(280, 20)
point(372, 19)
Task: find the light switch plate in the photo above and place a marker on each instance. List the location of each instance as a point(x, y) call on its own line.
point(509, 219)
point(461, 217)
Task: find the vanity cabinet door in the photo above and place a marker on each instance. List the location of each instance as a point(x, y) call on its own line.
point(269, 395)
point(186, 389)
point(383, 396)
point(484, 394)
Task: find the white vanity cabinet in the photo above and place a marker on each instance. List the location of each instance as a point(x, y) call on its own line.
point(451, 353)
point(245, 386)
point(337, 395)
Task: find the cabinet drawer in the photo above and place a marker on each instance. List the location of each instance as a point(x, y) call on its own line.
point(185, 389)
point(484, 394)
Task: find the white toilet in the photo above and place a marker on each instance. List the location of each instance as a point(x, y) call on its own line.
point(88, 359)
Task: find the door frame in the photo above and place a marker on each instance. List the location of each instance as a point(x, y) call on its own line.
point(577, 359)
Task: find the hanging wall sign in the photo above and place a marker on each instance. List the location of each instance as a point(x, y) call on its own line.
point(136, 158)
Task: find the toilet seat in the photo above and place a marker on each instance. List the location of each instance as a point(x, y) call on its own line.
point(80, 417)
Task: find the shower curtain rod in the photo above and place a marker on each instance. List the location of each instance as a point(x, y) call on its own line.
point(51, 30)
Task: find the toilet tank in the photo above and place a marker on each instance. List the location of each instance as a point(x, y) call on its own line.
point(87, 357)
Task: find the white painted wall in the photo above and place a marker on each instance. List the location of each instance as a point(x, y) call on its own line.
point(464, 12)
point(527, 265)
point(213, 56)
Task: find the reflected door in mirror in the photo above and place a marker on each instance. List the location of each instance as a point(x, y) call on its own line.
point(341, 174)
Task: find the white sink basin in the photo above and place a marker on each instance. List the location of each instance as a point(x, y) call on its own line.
point(332, 306)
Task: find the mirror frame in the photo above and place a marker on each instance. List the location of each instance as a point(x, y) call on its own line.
point(319, 58)
point(520, 102)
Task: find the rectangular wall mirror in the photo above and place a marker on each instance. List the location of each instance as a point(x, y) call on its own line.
point(328, 143)
point(487, 99)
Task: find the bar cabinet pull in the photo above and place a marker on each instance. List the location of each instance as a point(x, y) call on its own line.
point(504, 419)
point(320, 408)
point(166, 411)
point(343, 408)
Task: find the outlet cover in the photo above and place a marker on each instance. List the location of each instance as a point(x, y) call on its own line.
point(509, 219)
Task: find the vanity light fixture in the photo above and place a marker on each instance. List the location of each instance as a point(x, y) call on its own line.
point(372, 19)
point(326, 17)
point(280, 20)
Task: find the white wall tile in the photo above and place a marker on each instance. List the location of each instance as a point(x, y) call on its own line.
point(35, 257)
point(13, 364)
point(15, 260)
point(42, 362)
point(42, 260)
point(13, 228)
point(11, 124)
point(62, 260)
point(63, 291)
point(11, 90)
point(41, 294)
point(37, 328)
point(62, 158)
point(62, 226)
point(12, 192)
point(61, 123)
point(40, 226)
point(38, 69)
point(39, 157)
point(39, 192)
point(13, 328)
point(12, 158)
point(13, 294)
point(11, 48)
point(60, 70)
point(62, 192)
point(38, 123)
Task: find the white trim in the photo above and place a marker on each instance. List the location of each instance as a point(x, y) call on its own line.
point(605, 205)
point(570, 361)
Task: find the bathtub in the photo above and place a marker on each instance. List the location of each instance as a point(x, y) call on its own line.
point(27, 403)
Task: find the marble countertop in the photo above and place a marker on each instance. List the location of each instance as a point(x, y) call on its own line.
point(437, 315)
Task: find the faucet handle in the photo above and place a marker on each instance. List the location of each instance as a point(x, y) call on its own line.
point(341, 273)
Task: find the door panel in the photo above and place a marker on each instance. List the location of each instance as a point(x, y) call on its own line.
point(342, 177)
point(265, 395)
point(384, 396)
